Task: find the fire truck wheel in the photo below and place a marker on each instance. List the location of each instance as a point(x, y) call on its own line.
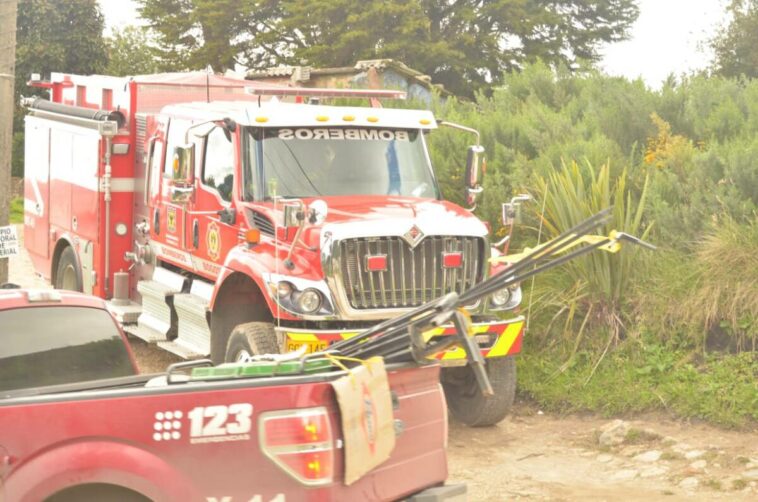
point(67, 274)
point(466, 402)
point(251, 339)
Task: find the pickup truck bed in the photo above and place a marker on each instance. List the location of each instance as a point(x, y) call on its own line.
point(231, 440)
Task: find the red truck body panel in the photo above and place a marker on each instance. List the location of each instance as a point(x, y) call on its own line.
point(51, 442)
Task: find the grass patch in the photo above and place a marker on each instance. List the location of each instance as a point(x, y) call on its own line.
point(670, 455)
point(713, 484)
point(641, 436)
point(739, 484)
point(17, 210)
point(644, 375)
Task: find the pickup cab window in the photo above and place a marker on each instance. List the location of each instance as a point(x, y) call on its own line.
point(50, 345)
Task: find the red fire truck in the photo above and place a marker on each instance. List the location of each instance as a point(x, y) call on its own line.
point(221, 217)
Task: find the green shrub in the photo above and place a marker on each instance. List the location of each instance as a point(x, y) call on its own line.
point(17, 210)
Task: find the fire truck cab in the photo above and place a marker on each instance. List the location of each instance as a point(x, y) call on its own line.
point(223, 218)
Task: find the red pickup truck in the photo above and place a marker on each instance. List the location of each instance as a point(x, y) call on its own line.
point(150, 437)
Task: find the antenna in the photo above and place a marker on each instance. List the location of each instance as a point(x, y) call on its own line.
point(208, 72)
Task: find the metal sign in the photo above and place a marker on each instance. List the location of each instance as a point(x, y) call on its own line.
point(8, 241)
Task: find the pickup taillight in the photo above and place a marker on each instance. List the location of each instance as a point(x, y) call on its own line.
point(300, 442)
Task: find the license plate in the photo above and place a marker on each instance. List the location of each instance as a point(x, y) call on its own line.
point(310, 346)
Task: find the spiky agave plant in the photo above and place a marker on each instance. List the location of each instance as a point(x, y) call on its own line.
point(591, 289)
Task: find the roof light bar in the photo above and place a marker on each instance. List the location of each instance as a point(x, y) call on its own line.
point(324, 92)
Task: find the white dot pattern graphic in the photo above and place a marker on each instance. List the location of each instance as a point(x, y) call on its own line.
point(167, 425)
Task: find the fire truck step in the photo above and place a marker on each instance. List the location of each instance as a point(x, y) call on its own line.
point(125, 314)
point(194, 317)
point(144, 333)
point(157, 302)
point(180, 350)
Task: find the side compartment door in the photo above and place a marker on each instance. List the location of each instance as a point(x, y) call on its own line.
point(37, 187)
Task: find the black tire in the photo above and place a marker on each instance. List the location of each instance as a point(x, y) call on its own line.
point(466, 402)
point(68, 275)
point(97, 492)
point(251, 338)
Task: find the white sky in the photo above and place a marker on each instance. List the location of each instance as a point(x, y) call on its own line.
point(669, 37)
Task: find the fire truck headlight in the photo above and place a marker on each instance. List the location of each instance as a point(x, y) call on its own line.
point(284, 289)
point(121, 229)
point(309, 301)
point(500, 298)
point(506, 298)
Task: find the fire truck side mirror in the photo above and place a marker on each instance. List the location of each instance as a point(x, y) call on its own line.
point(184, 161)
point(512, 210)
point(472, 176)
point(182, 175)
point(293, 215)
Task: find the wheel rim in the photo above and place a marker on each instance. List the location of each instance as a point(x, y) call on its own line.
point(68, 279)
point(242, 356)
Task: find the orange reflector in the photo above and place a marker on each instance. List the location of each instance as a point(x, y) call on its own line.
point(261, 120)
point(253, 236)
point(348, 118)
point(322, 118)
point(425, 121)
point(373, 119)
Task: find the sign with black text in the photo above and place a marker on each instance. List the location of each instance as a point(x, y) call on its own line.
point(8, 241)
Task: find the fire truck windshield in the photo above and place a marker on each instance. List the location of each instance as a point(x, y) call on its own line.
point(314, 162)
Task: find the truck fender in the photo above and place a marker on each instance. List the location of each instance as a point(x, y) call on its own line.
point(238, 261)
point(98, 461)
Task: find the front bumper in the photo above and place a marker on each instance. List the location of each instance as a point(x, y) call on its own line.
point(495, 339)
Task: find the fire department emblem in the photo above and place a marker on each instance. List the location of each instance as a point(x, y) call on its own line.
point(171, 219)
point(369, 417)
point(413, 236)
point(213, 241)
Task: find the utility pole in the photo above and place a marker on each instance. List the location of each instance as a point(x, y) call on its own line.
point(7, 77)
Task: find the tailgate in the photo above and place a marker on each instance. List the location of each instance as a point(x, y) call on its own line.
point(419, 458)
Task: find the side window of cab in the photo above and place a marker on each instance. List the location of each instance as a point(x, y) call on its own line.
point(218, 168)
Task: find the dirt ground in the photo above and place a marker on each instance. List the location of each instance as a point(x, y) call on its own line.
point(537, 456)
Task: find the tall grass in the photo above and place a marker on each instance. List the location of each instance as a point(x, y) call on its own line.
point(713, 293)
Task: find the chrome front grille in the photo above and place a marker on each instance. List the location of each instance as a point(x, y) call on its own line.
point(412, 276)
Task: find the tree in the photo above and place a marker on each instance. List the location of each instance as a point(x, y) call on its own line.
point(130, 53)
point(54, 36)
point(463, 44)
point(736, 45)
point(58, 35)
point(193, 34)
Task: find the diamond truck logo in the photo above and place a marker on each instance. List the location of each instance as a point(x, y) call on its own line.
point(413, 236)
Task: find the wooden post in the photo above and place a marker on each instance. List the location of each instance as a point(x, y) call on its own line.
point(7, 76)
